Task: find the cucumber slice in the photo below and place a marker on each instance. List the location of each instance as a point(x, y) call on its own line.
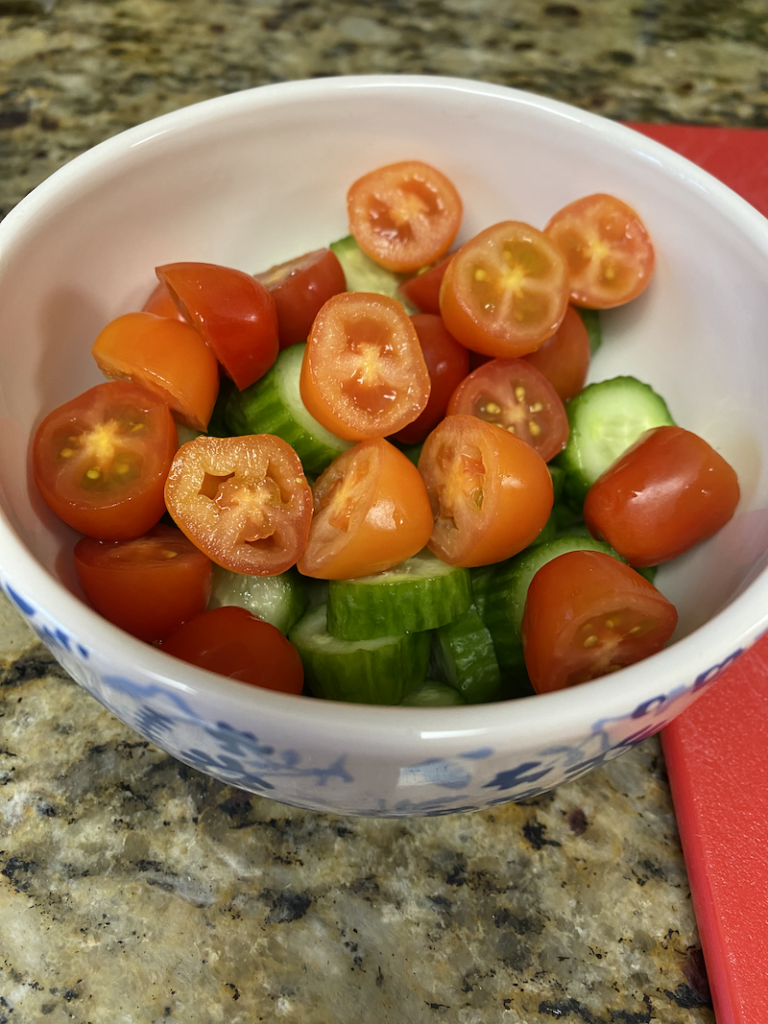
point(379, 671)
point(465, 658)
point(605, 419)
point(281, 600)
point(421, 593)
point(363, 275)
point(432, 695)
point(217, 425)
point(273, 405)
point(591, 320)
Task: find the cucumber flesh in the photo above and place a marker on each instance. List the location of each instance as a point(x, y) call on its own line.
point(281, 600)
point(432, 695)
point(591, 320)
point(363, 275)
point(465, 658)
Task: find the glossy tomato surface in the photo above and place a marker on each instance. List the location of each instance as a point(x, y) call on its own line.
point(564, 358)
point(234, 643)
point(665, 494)
point(147, 586)
point(490, 492)
point(300, 288)
point(371, 513)
point(423, 290)
point(404, 215)
point(588, 615)
point(100, 461)
point(160, 303)
point(244, 501)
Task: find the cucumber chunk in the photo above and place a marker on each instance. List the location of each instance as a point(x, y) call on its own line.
point(421, 593)
point(379, 671)
point(281, 600)
point(432, 695)
point(465, 658)
point(363, 275)
point(591, 320)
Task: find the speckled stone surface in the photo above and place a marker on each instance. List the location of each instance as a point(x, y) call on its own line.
point(135, 890)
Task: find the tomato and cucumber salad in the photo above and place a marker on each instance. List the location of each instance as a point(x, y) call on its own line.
point(397, 487)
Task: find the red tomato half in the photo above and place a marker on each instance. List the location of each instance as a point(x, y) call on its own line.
point(665, 494)
point(234, 643)
point(587, 615)
point(233, 311)
point(147, 586)
point(423, 290)
point(607, 248)
point(514, 395)
point(564, 358)
point(100, 460)
point(161, 304)
point(404, 215)
point(244, 501)
point(300, 287)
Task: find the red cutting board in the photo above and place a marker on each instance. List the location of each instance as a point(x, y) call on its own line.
point(716, 751)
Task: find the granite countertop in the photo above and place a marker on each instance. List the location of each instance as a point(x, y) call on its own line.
point(134, 889)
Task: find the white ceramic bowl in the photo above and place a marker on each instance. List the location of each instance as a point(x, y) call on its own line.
point(254, 178)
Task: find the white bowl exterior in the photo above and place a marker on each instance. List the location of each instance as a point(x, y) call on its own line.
point(254, 178)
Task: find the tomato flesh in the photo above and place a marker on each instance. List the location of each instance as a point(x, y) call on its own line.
point(423, 290)
point(300, 288)
point(160, 303)
point(564, 358)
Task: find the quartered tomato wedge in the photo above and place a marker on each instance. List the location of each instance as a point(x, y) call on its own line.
point(490, 492)
point(587, 615)
point(371, 513)
point(514, 395)
point(100, 461)
point(404, 215)
point(300, 287)
point(564, 358)
point(161, 304)
point(363, 373)
point(244, 501)
point(607, 248)
point(423, 290)
point(233, 312)
point(147, 586)
point(505, 291)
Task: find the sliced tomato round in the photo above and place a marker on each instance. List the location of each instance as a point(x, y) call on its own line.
point(505, 291)
point(404, 215)
point(371, 513)
point(364, 373)
point(165, 356)
point(100, 460)
point(447, 363)
point(147, 586)
point(234, 643)
point(300, 287)
point(564, 358)
point(514, 395)
point(490, 492)
point(161, 304)
point(244, 501)
point(669, 491)
point(607, 248)
point(587, 615)
point(423, 290)
point(234, 313)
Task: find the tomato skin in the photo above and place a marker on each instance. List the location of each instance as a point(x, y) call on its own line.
point(364, 373)
point(113, 425)
point(147, 586)
point(371, 513)
point(564, 358)
point(490, 493)
point(300, 287)
point(505, 291)
point(232, 642)
point(161, 304)
point(607, 248)
point(667, 492)
point(404, 215)
point(244, 501)
point(587, 614)
point(423, 290)
point(233, 312)
point(447, 363)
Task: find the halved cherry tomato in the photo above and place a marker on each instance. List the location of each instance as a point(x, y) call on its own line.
point(564, 358)
point(514, 395)
point(448, 364)
point(300, 287)
point(607, 248)
point(586, 615)
point(161, 304)
point(404, 215)
point(371, 513)
point(234, 643)
point(668, 491)
point(423, 290)
point(147, 586)
point(244, 501)
point(166, 356)
point(100, 460)
point(490, 492)
point(233, 311)
point(363, 373)
point(505, 291)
